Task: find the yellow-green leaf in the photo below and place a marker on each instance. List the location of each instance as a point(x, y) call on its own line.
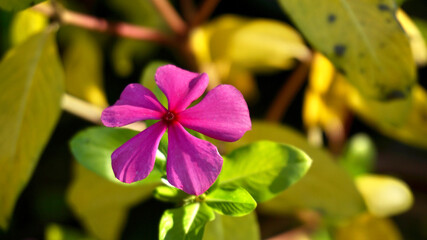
point(233, 228)
point(101, 205)
point(25, 24)
point(364, 41)
point(83, 68)
point(326, 186)
point(32, 86)
point(384, 195)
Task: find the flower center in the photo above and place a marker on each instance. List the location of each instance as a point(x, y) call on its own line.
point(169, 116)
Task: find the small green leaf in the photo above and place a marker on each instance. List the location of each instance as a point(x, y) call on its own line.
point(359, 156)
point(326, 187)
point(374, 53)
point(234, 202)
point(169, 194)
point(14, 5)
point(93, 148)
point(264, 168)
point(233, 228)
point(186, 222)
point(32, 84)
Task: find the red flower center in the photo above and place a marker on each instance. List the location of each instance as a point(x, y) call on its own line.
point(169, 116)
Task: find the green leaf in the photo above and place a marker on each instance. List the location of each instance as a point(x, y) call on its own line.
point(359, 156)
point(233, 202)
point(169, 194)
point(326, 186)
point(14, 5)
point(32, 84)
point(374, 52)
point(186, 222)
point(264, 168)
point(233, 228)
point(93, 147)
point(101, 205)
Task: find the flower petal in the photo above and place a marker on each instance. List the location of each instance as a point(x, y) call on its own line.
point(181, 87)
point(223, 114)
point(136, 103)
point(134, 160)
point(192, 164)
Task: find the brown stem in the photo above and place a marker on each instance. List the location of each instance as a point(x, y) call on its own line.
point(287, 93)
point(90, 112)
point(205, 12)
point(188, 9)
point(102, 25)
point(171, 17)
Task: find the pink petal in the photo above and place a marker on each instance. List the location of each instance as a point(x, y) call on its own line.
point(223, 114)
point(192, 164)
point(134, 160)
point(136, 103)
point(181, 87)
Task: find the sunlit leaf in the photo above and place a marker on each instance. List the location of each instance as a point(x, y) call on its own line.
point(25, 24)
point(374, 53)
point(13, 5)
point(101, 205)
point(366, 227)
point(32, 86)
point(187, 222)
point(232, 202)
point(233, 228)
point(418, 44)
point(264, 168)
point(83, 68)
point(384, 196)
point(359, 155)
point(93, 147)
point(58, 232)
point(326, 187)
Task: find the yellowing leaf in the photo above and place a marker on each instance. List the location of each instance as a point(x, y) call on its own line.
point(402, 119)
point(102, 205)
point(363, 40)
point(253, 44)
point(418, 44)
point(233, 228)
point(83, 69)
point(367, 227)
point(326, 186)
point(396, 119)
point(384, 196)
point(57, 232)
point(231, 48)
point(25, 24)
point(32, 86)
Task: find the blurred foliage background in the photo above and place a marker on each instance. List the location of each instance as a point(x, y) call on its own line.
point(43, 209)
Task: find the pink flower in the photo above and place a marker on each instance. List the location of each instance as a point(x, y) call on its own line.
point(192, 164)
